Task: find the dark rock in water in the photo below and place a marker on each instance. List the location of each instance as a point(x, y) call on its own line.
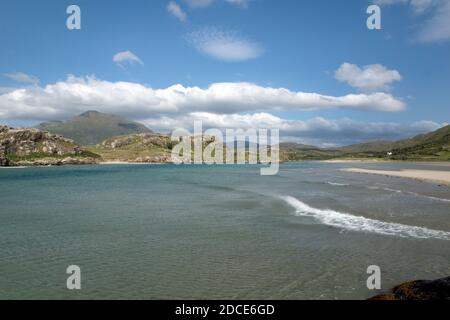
point(419, 290)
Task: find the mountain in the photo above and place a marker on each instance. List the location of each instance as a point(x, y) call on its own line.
point(431, 146)
point(370, 146)
point(25, 147)
point(92, 127)
point(290, 151)
point(115, 138)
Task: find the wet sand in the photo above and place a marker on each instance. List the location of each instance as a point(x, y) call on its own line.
point(440, 177)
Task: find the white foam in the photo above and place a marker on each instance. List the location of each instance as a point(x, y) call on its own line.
point(428, 197)
point(361, 224)
point(337, 184)
point(409, 193)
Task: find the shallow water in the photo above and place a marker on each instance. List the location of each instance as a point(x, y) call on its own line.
point(149, 232)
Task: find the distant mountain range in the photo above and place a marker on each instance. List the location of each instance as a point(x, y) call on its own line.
point(107, 137)
point(92, 127)
point(431, 146)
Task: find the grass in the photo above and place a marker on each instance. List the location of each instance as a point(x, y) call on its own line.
point(42, 156)
point(129, 153)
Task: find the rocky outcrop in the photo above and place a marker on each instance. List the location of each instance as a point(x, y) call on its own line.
point(419, 290)
point(25, 146)
point(154, 159)
point(141, 148)
point(4, 161)
point(141, 140)
point(136, 148)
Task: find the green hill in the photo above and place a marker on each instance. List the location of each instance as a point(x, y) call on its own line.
point(92, 127)
point(290, 151)
point(431, 146)
point(370, 146)
point(141, 147)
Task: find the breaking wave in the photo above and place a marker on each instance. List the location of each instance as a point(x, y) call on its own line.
point(361, 224)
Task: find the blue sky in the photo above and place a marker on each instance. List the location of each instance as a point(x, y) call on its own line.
point(266, 60)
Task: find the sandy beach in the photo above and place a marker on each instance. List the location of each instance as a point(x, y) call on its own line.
point(435, 176)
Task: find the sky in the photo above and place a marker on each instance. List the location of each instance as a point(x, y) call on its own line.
point(313, 69)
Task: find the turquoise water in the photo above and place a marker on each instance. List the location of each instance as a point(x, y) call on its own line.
point(225, 232)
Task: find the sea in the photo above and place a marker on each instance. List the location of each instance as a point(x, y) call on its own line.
point(218, 232)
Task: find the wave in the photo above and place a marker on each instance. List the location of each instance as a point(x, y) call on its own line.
point(337, 184)
point(409, 193)
point(430, 197)
point(361, 224)
point(427, 197)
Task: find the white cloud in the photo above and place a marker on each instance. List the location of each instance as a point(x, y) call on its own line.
point(75, 95)
point(224, 45)
point(22, 78)
point(4, 90)
point(370, 77)
point(436, 28)
point(419, 6)
point(317, 131)
point(174, 9)
point(240, 3)
point(123, 57)
point(199, 3)
point(208, 3)
point(221, 105)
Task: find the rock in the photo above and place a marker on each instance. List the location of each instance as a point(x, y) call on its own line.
point(33, 147)
point(140, 140)
point(419, 290)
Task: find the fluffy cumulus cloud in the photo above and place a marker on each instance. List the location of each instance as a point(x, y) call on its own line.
point(174, 9)
point(221, 105)
point(436, 25)
point(76, 94)
point(22, 78)
point(368, 78)
point(126, 57)
point(224, 45)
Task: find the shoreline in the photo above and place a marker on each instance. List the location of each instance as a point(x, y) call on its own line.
point(430, 176)
point(332, 161)
point(431, 163)
point(105, 163)
point(356, 161)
